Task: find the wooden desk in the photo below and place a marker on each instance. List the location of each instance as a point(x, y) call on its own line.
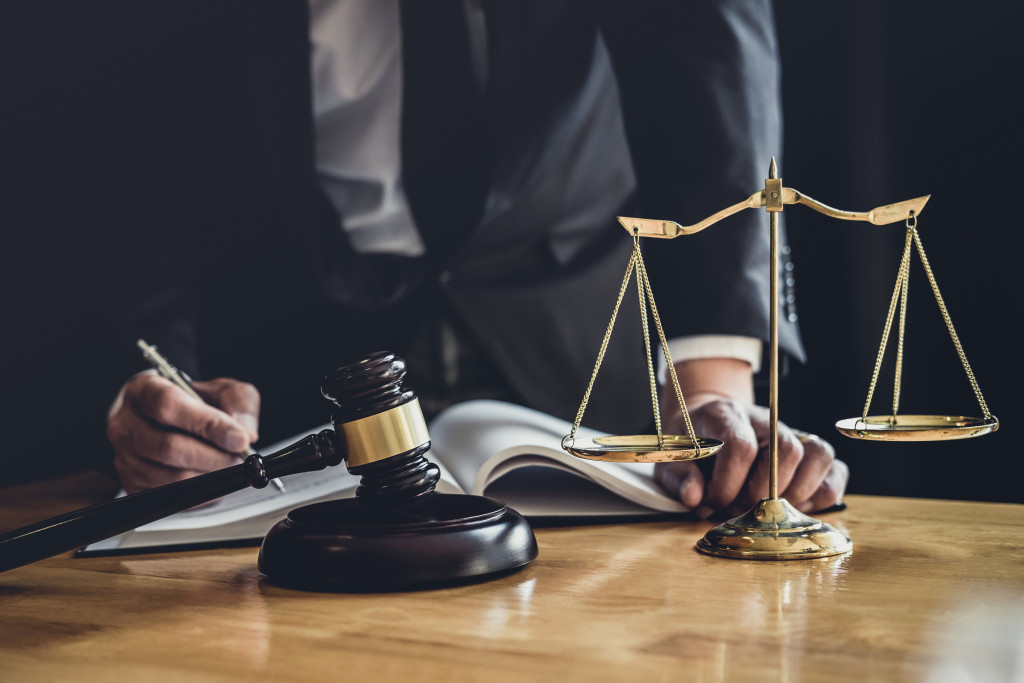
point(927, 582)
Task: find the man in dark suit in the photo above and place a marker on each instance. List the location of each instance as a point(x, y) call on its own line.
point(518, 131)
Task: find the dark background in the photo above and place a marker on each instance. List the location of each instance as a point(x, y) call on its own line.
point(884, 102)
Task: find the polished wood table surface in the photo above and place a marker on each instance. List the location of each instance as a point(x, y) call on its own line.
point(929, 587)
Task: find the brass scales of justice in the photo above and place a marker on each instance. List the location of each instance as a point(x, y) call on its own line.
point(773, 529)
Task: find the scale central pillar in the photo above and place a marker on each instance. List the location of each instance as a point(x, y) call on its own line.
point(773, 529)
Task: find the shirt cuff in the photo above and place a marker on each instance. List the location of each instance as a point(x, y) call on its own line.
point(746, 349)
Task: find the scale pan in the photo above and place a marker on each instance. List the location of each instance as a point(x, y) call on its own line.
point(916, 427)
point(644, 448)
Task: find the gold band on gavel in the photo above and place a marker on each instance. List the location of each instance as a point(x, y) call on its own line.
point(383, 435)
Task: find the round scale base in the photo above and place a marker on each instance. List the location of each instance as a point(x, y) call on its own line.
point(344, 545)
point(774, 530)
point(916, 427)
point(643, 448)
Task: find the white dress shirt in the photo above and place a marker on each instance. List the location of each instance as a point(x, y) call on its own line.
point(357, 104)
point(356, 66)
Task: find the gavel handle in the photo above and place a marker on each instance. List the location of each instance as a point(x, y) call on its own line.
point(89, 525)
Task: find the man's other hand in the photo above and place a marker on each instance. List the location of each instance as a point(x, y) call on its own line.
point(810, 477)
point(720, 403)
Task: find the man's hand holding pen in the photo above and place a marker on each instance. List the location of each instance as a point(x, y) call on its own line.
point(162, 434)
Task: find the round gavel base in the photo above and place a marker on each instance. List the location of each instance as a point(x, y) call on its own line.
point(344, 545)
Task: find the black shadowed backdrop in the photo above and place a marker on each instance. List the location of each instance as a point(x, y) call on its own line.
point(884, 102)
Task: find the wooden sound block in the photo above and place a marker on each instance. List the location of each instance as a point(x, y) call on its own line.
point(439, 539)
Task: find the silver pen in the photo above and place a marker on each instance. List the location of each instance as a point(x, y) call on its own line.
point(183, 382)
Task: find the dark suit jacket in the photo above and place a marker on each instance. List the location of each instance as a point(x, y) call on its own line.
point(159, 179)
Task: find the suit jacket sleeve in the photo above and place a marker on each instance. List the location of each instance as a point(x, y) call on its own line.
point(699, 84)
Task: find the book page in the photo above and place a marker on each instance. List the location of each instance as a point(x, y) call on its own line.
point(483, 441)
point(545, 491)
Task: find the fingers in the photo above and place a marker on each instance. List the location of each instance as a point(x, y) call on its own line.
point(147, 455)
point(138, 438)
point(791, 455)
point(158, 400)
point(161, 434)
point(240, 400)
point(728, 421)
point(830, 490)
point(816, 464)
point(682, 480)
point(809, 476)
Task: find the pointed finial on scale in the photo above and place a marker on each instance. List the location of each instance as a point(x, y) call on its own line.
point(773, 199)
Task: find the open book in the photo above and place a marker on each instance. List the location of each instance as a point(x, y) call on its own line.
point(483, 447)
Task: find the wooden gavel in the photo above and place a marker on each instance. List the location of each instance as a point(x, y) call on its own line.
point(398, 532)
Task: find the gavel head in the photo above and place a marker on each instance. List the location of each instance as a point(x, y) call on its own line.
point(398, 533)
point(367, 386)
point(381, 430)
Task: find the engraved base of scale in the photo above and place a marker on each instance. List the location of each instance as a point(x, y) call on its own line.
point(773, 529)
